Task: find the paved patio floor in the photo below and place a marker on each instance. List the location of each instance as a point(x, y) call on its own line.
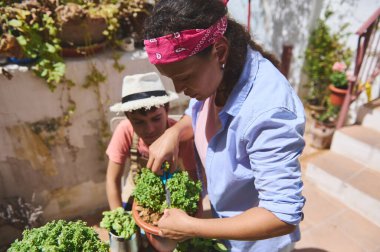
point(330, 225)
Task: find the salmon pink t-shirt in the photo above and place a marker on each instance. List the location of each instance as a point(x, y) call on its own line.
point(208, 124)
point(121, 141)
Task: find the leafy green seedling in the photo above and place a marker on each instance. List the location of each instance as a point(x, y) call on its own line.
point(184, 192)
point(119, 222)
point(201, 244)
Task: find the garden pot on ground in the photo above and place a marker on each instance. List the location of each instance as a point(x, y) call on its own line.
point(321, 134)
point(337, 95)
point(120, 244)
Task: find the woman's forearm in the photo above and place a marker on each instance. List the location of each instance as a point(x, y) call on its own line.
point(254, 224)
point(183, 128)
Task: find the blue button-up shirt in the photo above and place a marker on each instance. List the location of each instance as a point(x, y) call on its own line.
point(252, 161)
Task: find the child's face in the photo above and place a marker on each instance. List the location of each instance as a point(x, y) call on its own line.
point(151, 125)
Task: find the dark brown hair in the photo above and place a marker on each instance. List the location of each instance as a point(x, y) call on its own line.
point(171, 16)
point(144, 111)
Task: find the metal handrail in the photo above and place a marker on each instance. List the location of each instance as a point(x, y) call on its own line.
point(367, 39)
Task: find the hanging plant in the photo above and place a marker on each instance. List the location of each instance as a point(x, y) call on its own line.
point(34, 29)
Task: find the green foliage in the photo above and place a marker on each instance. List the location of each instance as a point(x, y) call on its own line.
point(323, 50)
point(184, 192)
point(119, 222)
point(60, 236)
point(36, 26)
point(36, 33)
point(200, 244)
point(339, 79)
point(149, 191)
point(330, 115)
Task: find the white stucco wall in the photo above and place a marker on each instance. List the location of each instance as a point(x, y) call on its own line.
point(278, 22)
point(62, 168)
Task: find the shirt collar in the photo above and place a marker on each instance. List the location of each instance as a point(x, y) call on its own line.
point(243, 86)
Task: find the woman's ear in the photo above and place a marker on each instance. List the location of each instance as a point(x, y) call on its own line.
point(221, 48)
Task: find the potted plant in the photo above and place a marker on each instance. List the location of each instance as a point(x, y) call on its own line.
point(39, 33)
point(150, 202)
point(60, 236)
point(339, 83)
point(124, 234)
point(323, 127)
point(323, 50)
point(31, 27)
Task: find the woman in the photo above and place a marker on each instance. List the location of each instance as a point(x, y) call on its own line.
point(247, 123)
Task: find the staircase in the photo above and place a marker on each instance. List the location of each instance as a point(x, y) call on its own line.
point(350, 170)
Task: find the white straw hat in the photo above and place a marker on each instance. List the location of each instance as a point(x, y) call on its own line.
point(143, 91)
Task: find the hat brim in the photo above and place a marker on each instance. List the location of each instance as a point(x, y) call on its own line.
point(153, 101)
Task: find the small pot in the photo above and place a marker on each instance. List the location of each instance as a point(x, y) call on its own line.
point(321, 134)
point(120, 244)
point(337, 95)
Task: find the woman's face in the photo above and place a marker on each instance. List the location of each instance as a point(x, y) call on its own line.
point(197, 76)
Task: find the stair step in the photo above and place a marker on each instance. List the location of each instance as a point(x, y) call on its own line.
point(354, 184)
point(369, 115)
point(359, 143)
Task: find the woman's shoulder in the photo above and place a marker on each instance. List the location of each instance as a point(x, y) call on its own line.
point(271, 90)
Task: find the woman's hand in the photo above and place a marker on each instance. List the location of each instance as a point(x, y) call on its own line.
point(165, 148)
point(175, 224)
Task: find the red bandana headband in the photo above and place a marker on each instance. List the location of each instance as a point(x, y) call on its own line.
point(181, 45)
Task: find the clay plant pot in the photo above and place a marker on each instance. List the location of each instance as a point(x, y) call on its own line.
point(159, 243)
point(337, 95)
point(321, 134)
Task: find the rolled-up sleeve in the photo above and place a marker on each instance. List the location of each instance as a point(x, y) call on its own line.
point(274, 142)
point(189, 110)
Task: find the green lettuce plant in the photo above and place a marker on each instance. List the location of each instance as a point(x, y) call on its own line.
point(119, 222)
point(149, 191)
point(60, 236)
point(184, 192)
point(201, 244)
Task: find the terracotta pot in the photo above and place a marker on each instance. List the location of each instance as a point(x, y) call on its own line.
point(159, 243)
point(321, 134)
point(83, 32)
point(337, 95)
point(81, 51)
point(149, 228)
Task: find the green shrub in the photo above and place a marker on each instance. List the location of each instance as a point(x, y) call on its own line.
point(60, 236)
